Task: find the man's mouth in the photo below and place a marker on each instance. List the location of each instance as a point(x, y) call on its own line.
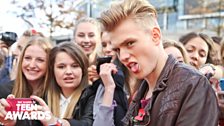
point(134, 67)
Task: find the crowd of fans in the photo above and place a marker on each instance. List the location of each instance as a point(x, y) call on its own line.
point(150, 80)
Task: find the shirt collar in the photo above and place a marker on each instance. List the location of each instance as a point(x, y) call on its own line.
point(64, 100)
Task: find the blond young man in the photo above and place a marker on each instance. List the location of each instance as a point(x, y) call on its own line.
point(172, 93)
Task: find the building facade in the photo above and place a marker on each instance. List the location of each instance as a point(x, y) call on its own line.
point(178, 17)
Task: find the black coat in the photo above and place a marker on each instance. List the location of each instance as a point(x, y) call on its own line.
point(6, 89)
point(83, 112)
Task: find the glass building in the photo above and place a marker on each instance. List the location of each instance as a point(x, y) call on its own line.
point(178, 17)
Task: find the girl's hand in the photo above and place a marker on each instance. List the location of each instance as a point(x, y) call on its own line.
point(207, 69)
point(92, 73)
point(44, 108)
point(106, 71)
point(3, 105)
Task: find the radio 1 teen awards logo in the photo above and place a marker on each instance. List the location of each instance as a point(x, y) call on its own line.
point(25, 108)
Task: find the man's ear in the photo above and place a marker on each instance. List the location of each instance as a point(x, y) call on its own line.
point(156, 35)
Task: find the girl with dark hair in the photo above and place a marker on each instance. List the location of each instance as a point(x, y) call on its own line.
point(69, 99)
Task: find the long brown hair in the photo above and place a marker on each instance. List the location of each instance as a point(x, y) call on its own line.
point(22, 88)
point(54, 89)
point(186, 38)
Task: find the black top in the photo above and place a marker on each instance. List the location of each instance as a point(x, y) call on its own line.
point(6, 89)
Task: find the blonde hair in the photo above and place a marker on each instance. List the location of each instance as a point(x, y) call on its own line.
point(89, 20)
point(22, 89)
point(54, 89)
point(92, 57)
point(141, 11)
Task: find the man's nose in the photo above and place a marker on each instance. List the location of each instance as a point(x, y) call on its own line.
point(124, 55)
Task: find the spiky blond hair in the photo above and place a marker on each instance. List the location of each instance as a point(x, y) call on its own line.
point(141, 11)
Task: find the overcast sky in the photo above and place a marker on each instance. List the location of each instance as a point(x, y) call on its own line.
point(8, 22)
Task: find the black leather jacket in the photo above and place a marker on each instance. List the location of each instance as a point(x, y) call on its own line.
point(182, 97)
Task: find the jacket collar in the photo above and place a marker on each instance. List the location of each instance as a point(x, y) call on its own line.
point(161, 82)
point(166, 72)
point(160, 85)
